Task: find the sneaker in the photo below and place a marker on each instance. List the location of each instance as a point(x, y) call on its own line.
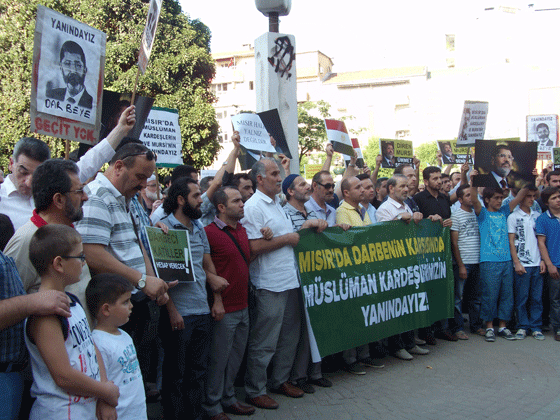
point(355, 369)
point(538, 335)
point(520, 334)
point(418, 350)
point(369, 362)
point(490, 336)
point(505, 333)
point(403, 355)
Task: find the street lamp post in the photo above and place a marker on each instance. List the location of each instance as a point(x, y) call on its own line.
point(275, 74)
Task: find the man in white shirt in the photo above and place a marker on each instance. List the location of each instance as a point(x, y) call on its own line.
point(15, 193)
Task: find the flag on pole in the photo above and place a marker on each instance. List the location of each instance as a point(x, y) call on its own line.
point(360, 160)
point(339, 138)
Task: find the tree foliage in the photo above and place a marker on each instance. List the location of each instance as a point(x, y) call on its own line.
point(426, 152)
point(312, 132)
point(178, 76)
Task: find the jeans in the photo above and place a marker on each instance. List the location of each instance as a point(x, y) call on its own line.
point(496, 287)
point(472, 285)
point(184, 366)
point(554, 291)
point(11, 391)
point(528, 299)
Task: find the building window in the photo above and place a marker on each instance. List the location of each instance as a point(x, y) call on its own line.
point(225, 113)
point(224, 87)
point(251, 85)
point(219, 115)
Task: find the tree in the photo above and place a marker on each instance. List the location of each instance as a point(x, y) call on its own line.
point(312, 132)
point(178, 76)
point(426, 152)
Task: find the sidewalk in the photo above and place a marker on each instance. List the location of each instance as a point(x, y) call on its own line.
point(469, 379)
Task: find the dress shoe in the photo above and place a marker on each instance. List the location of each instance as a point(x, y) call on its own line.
point(446, 335)
point(288, 390)
point(430, 339)
point(221, 416)
point(239, 409)
point(305, 386)
point(322, 382)
point(262, 401)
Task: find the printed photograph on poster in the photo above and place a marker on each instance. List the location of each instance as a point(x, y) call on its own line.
point(504, 163)
point(171, 254)
point(70, 67)
point(556, 158)
point(395, 152)
point(543, 129)
point(473, 123)
point(451, 154)
point(149, 34)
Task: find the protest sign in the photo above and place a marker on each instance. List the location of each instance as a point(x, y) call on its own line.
point(510, 159)
point(114, 103)
point(162, 135)
point(311, 169)
point(67, 78)
point(171, 254)
point(395, 152)
point(252, 132)
point(373, 282)
point(473, 123)
point(339, 138)
point(556, 158)
point(543, 129)
point(149, 34)
point(360, 160)
point(450, 153)
point(273, 124)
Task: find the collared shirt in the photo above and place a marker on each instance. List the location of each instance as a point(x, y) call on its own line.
point(348, 214)
point(190, 298)
point(549, 225)
point(430, 205)
point(370, 210)
point(207, 208)
point(141, 219)
point(329, 215)
point(523, 226)
point(107, 222)
point(229, 262)
point(297, 217)
point(535, 207)
point(19, 207)
point(391, 209)
point(12, 345)
point(499, 179)
point(262, 211)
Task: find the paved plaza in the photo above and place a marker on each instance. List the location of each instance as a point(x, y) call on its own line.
point(469, 379)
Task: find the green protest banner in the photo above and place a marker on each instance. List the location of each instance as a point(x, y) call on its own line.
point(171, 255)
point(373, 282)
point(556, 157)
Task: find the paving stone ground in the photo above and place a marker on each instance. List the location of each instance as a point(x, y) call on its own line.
point(469, 379)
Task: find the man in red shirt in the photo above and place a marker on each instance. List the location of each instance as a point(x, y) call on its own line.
point(230, 253)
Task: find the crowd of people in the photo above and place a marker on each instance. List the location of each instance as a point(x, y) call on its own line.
point(82, 306)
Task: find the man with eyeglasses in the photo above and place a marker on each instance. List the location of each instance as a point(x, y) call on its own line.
point(74, 70)
point(15, 193)
point(502, 174)
point(322, 187)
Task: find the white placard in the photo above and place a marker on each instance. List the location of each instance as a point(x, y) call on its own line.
point(473, 123)
point(162, 135)
point(252, 132)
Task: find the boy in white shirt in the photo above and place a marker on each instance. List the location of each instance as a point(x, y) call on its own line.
point(108, 299)
point(528, 266)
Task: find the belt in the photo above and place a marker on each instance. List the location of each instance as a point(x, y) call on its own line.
point(12, 367)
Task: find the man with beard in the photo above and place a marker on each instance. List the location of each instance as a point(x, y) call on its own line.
point(111, 241)
point(545, 143)
point(501, 173)
point(150, 194)
point(388, 152)
point(74, 70)
point(296, 189)
point(59, 195)
point(186, 322)
point(231, 255)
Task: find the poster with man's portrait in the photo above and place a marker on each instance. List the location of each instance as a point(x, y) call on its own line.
point(543, 129)
point(451, 154)
point(504, 164)
point(67, 81)
point(473, 123)
point(395, 152)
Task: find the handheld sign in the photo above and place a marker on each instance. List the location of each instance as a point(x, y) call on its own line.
point(162, 135)
point(252, 132)
point(273, 124)
point(171, 254)
point(149, 34)
point(339, 138)
point(67, 78)
point(451, 154)
point(543, 129)
point(395, 152)
point(556, 158)
point(473, 123)
point(360, 160)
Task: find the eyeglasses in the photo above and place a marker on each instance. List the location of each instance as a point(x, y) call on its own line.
point(326, 186)
point(78, 66)
point(81, 257)
point(504, 156)
point(149, 155)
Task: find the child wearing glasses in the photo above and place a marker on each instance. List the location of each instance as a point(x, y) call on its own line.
point(69, 379)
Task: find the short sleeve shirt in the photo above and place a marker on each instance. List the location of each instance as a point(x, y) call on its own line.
point(549, 225)
point(466, 225)
point(494, 241)
point(329, 215)
point(523, 226)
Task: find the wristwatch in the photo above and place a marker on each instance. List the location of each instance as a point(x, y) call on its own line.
point(141, 283)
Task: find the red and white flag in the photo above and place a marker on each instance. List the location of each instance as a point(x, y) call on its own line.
point(338, 136)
